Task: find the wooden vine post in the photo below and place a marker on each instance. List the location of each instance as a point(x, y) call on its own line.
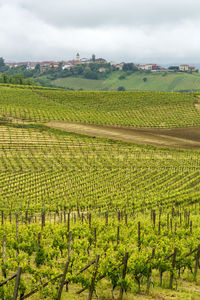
point(92, 286)
point(2, 218)
point(173, 266)
point(139, 232)
point(118, 228)
point(150, 272)
point(66, 268)
point(17, 232)
point(68, 221)
point(17, 283)
point(4, 255)
point(43, 219)
point(154, 219)
point(106, 217)
point(95, 236)
point(123, 275)
point(197, 262)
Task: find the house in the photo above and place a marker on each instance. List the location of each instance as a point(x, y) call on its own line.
point(102, 70)
point(100, 61)
point(19, 64)
point(55, 65)
point(184, 67)
point(31, 65)
point(67, 66)
point(45, 65)
point(191, 68)
point(140, 67)
point(151, 67)
point(120, 66)
point(84, 60)
point(113, 64)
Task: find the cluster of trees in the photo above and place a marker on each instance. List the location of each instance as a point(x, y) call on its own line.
point(15, 79)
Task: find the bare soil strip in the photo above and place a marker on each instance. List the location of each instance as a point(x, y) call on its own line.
point(185, 138)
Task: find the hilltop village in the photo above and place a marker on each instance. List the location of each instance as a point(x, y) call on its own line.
point(102, 65)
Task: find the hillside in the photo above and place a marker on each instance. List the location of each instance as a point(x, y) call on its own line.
point(120, 218)
point(155, 82)
point(130, 109)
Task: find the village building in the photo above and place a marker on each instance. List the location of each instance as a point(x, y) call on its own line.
point(100, 60)
point(191, 68)
point(31, 65)
point(120, 66)
point(77, 59)
point(113, 64)
point(140, 67)
point(84, 60)
point(102, 70)
point(67, 66)
point(184, 67)
point(151, 67)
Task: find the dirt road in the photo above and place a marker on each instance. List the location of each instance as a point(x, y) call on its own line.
point(186, 138)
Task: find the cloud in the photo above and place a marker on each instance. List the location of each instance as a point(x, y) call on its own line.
point(95, 13)
point(139, 31)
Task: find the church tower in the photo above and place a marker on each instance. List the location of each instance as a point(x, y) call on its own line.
point(77, 58)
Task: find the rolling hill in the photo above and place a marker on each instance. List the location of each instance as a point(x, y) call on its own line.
point(167, 82)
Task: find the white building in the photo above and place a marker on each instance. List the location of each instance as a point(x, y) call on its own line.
point(67, 67)
point(184, 68)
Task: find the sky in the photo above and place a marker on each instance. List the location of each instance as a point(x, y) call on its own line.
point(140, 31)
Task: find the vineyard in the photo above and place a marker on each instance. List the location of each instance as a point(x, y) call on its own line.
point(130, 109)
point(91, 218)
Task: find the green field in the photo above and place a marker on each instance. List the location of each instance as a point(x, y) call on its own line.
point(167, 82)
point(95, 203)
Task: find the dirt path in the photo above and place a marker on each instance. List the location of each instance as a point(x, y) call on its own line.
point(186, 138)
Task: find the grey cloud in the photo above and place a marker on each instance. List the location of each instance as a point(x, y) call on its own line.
point(139, 31)
point(94, 13)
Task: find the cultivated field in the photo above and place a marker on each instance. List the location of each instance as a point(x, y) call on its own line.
point(122, 219)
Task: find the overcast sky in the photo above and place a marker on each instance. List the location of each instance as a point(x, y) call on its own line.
point(162, 31)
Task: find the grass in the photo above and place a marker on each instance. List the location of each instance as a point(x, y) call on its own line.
point(167, 82)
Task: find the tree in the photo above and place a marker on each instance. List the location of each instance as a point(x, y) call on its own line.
point(93, 58)
point(91, 75)
point(37, 68)
point(121, 88)
point(174, 68)
point(129, 67)
point(121, 77)
point(60, 66)
point(5, 78)
point(2, 63)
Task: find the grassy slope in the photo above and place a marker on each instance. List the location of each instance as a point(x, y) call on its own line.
point(155, 82)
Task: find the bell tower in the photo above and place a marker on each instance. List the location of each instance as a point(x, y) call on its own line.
point(77, 58)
